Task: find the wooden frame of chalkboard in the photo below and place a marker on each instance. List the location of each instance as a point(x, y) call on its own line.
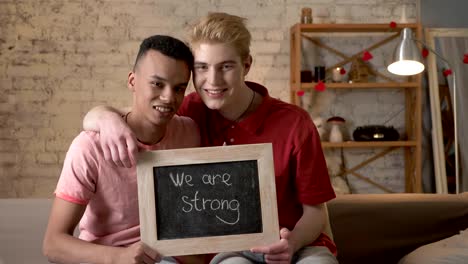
point(207, 200)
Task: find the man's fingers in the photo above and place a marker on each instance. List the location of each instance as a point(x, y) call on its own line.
point(266, 250)
point(115, 157)
point(151, 253)
point(277, 262)
point(123, 155)
point(276, 248)
point(148, 260)
point(285, 233)
point(132, 150)
point(106, 152)
point(277, 257)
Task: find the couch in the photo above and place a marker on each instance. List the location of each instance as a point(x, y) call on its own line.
point(22, 226)
point(382, 228)
point(367, 228)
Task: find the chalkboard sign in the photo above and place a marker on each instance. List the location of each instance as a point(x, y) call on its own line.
point(207, 200)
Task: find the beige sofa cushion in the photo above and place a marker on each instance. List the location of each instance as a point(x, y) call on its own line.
point(453, 250)
point(22, 226)
point(382, 228)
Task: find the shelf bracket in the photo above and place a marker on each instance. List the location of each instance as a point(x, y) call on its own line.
point(353, 170)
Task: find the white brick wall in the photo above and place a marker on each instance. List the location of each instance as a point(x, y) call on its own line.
point(60, 58)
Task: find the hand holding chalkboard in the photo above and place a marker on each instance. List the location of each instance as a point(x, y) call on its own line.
point(207, 200)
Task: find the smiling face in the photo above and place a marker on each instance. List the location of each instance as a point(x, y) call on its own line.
point(158, 84)
point(219, 76)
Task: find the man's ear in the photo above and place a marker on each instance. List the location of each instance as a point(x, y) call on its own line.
point(131, 81)
point(247, 64)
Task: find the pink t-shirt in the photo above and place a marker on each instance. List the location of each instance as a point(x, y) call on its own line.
point(110, 192)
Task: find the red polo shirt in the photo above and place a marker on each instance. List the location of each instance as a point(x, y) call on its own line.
point(300, 168)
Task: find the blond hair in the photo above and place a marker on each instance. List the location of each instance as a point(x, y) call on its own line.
point(222, 28)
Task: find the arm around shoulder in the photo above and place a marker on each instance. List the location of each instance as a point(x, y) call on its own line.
point(118, 142)
point(99, 114)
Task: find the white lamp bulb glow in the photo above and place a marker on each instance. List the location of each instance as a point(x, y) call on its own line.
point(406, 67)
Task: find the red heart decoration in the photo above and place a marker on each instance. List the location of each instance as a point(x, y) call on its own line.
point(342, 71)
point(447, 72)
point(425, 52)
point(320, 86)
point(393, 24)
point(300, 93)
point(367, 56)
point(465, 58)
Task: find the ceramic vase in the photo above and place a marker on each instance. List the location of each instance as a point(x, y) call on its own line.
point(335, 134)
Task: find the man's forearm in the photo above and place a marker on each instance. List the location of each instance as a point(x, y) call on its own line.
point(92, 119)
point(63, 248)
point(309, 226)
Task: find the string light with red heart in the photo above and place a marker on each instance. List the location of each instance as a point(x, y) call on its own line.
point(367, 56)
point(425, 53)
point(447, 72)
point(320, 86)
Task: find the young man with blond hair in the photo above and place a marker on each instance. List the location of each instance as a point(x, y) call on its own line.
point(232, 111)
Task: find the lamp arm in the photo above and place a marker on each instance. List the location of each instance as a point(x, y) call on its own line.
point(433, 51)
point(455, 135)
point(457, 173)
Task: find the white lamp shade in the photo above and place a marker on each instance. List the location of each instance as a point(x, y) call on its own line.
point(407, 56)
point(406, 67)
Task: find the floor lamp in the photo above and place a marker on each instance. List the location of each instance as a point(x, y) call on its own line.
point(407, 61)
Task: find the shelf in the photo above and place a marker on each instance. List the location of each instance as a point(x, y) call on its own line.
point(412, 149)
point(306, 86)
point(352, 28)
point(368, 144)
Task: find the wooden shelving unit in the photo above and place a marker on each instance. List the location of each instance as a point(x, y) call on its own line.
point(412, 89)
point(308, 86)
point(361, 144)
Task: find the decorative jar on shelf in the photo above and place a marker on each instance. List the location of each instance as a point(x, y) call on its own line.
point(336, 134)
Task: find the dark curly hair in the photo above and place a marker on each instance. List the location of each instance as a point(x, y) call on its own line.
point(168, 46)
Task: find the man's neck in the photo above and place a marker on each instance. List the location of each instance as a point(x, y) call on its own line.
point(243, 106)
point(148, 134)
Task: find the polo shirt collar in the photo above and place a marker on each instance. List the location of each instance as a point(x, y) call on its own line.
point(255, 120)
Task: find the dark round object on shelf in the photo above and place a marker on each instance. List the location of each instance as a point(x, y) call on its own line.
point(375, 133)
